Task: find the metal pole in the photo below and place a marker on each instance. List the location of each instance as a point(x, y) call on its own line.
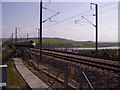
point(96, 6)
point(40, 40)
point(15, 34)
point(80, 79)
point(12, 37)
point(27, 36)
point(66, 76)
point(38, 36)
point(96, 14)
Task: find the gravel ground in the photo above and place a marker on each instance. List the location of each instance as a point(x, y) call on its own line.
point(100, 79)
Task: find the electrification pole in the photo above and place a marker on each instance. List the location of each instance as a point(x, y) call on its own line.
point(15, 34)
point(96, 6)
point(12, 37)
point(40, 40)
point(96, 14)
point(95, 25)
point(27, 36)
point(38, 30)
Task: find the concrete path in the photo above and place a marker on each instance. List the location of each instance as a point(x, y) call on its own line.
point(33, 81)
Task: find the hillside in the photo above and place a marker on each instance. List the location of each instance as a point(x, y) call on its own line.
point(72, 43)
point(69, 43)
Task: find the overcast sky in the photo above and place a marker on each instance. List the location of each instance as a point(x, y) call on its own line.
point(25, 16)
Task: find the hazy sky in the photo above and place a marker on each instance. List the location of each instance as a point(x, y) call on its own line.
point(25, 16)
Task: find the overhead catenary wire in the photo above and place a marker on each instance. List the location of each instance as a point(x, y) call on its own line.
point(58, 22)
point(89, 21)
point(49, 9)
point(29, 17)
point(102, 13)
point(38, 12)
point(47, 4)
point(69, 18)
point(108, 5)
point(109, 10)
point(108, 19)
point(50, 17)
point(59, 12)
point(34, 15)
point(30, 20)
point(103, 20)
point(66, 10)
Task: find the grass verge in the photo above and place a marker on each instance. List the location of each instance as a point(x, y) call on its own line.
point(14, 79)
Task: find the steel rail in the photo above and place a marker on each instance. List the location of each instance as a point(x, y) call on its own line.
point(100, 65)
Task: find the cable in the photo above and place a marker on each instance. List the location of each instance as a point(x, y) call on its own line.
point(67, 19)
point(31, 19)
point(47, 4)
point(49, 9)
point(61, 11)
point(109, 19)
point(52, 11)
point(70, 8)
point(75, 16)
point(64, 12)
point(31, 15)
point(51, 17)
point(88, 21)
point(54, 79)
point(110, 9)
point(107, 5)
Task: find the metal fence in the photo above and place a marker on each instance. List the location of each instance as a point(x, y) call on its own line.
point(71, 75)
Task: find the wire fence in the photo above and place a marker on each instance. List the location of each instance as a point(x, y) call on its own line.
point(69, 74)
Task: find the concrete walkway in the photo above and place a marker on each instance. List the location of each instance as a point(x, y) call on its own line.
point(33, 81)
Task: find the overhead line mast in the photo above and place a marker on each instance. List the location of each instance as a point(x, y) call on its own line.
point(40, 40)
point(96, 14)
point(16, 34)
point(95, 25)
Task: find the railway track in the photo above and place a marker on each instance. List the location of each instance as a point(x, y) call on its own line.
point(83, 60)
point(53, 76)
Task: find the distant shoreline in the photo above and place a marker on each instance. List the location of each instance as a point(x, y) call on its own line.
point(87, 48)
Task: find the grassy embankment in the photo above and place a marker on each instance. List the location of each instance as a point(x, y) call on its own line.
point(14, 79)
point(60, 42)
point(112, 54)
point(69, 43)
point(64, 43)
